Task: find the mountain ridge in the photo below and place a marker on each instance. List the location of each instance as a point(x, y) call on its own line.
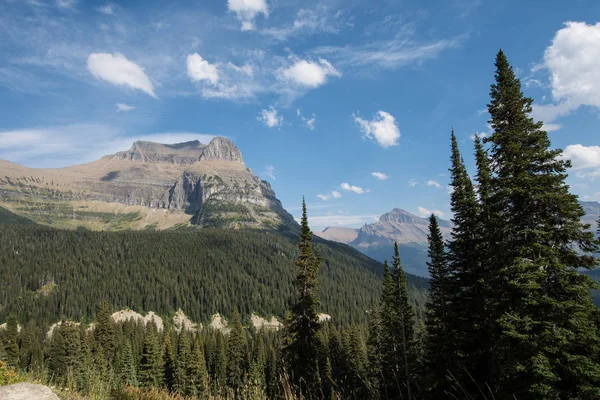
point(192, 183)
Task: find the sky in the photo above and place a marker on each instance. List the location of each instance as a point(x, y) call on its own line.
point(348, 103)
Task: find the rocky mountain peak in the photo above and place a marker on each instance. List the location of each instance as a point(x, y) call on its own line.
point(177, 153)
point(221, 148)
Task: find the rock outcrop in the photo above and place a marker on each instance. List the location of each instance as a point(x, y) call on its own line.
point(219, 323)
point(124, 315)
point(182, 322)
point(27, 391)
point(259, 323)
point(221, 148)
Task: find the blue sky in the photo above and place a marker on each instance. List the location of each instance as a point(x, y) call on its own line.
point(348, 103)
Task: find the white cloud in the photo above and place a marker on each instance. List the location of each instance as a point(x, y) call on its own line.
point(333, 193)
point(571, 60)
point(379, 175)
point(270, 117)
point(352, 188)
point(118, 70)
point(308, 21)
point(424, 212)
point(582, 157)
point(551, 127)
point(270, 171)
point(124, 107)
point(247, 10)
point(198, 69)
point(412, 183)
point(433, 183)
point(309, 74)
point(65, 3)
point(59, 146)
point(391, 54)
point(107, 9)
point(310, 123)
point(383, 128)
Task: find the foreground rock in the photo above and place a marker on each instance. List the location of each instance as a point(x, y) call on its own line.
point(27, 391)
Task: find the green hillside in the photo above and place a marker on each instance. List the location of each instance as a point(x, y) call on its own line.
point(10, 218)
point(49, 273)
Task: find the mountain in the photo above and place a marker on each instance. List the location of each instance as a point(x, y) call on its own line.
point(151, 185)
point(338, 234)
point(377, 239)
point(592, 213)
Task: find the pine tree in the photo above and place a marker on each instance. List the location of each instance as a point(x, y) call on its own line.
point(302, 351)
point(439, 352)
point(545, 344)
point(125, 368)
point(468, 313)
point(104, 333)
point(31, 357)
point(220, 366)
point(405, 324)
point(197, 372)
point(390, 363)
point(169, 363)
point(184, 350)
point(11, 342)
point(235, 353)
point(375, 349)
point(151, 368)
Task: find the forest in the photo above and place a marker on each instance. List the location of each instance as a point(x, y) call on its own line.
point(507, 314)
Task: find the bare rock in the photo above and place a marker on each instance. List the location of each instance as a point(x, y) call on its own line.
point(219, 323)
point(182, 322)
point(221, 148)
point(124, 315)
point(324, 317)
point(27, 391)
point(262, 323)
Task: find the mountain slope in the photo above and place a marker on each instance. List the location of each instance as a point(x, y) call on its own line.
point(150, 185)
point(201, 271)
point(10, 218)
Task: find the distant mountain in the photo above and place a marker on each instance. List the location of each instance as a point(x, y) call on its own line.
point(592, 212)
point(338, 234)
point(410, 231)
point(151, 185)
point(377, 239)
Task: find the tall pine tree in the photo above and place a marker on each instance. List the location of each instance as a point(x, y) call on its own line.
point(545, 343)
point(468, 312)
point(440, 354)
point(302, 350)
point(235, 353)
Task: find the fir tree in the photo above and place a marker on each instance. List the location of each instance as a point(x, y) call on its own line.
point(302, 351)
point(545, 343)
point(405, 321)
point(11, 342)
point(104, 332)
point(169, 363)
point(235, 353)
point(184, 350)
point(197, 371)
point(390, 363)
point(439, 352)
point(125, 368)
point(375, 349)
point(151, 368)
point(31, 357)
point(468, 313)
point(220, 365)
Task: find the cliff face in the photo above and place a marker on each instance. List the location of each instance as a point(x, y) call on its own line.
point(207, 183)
